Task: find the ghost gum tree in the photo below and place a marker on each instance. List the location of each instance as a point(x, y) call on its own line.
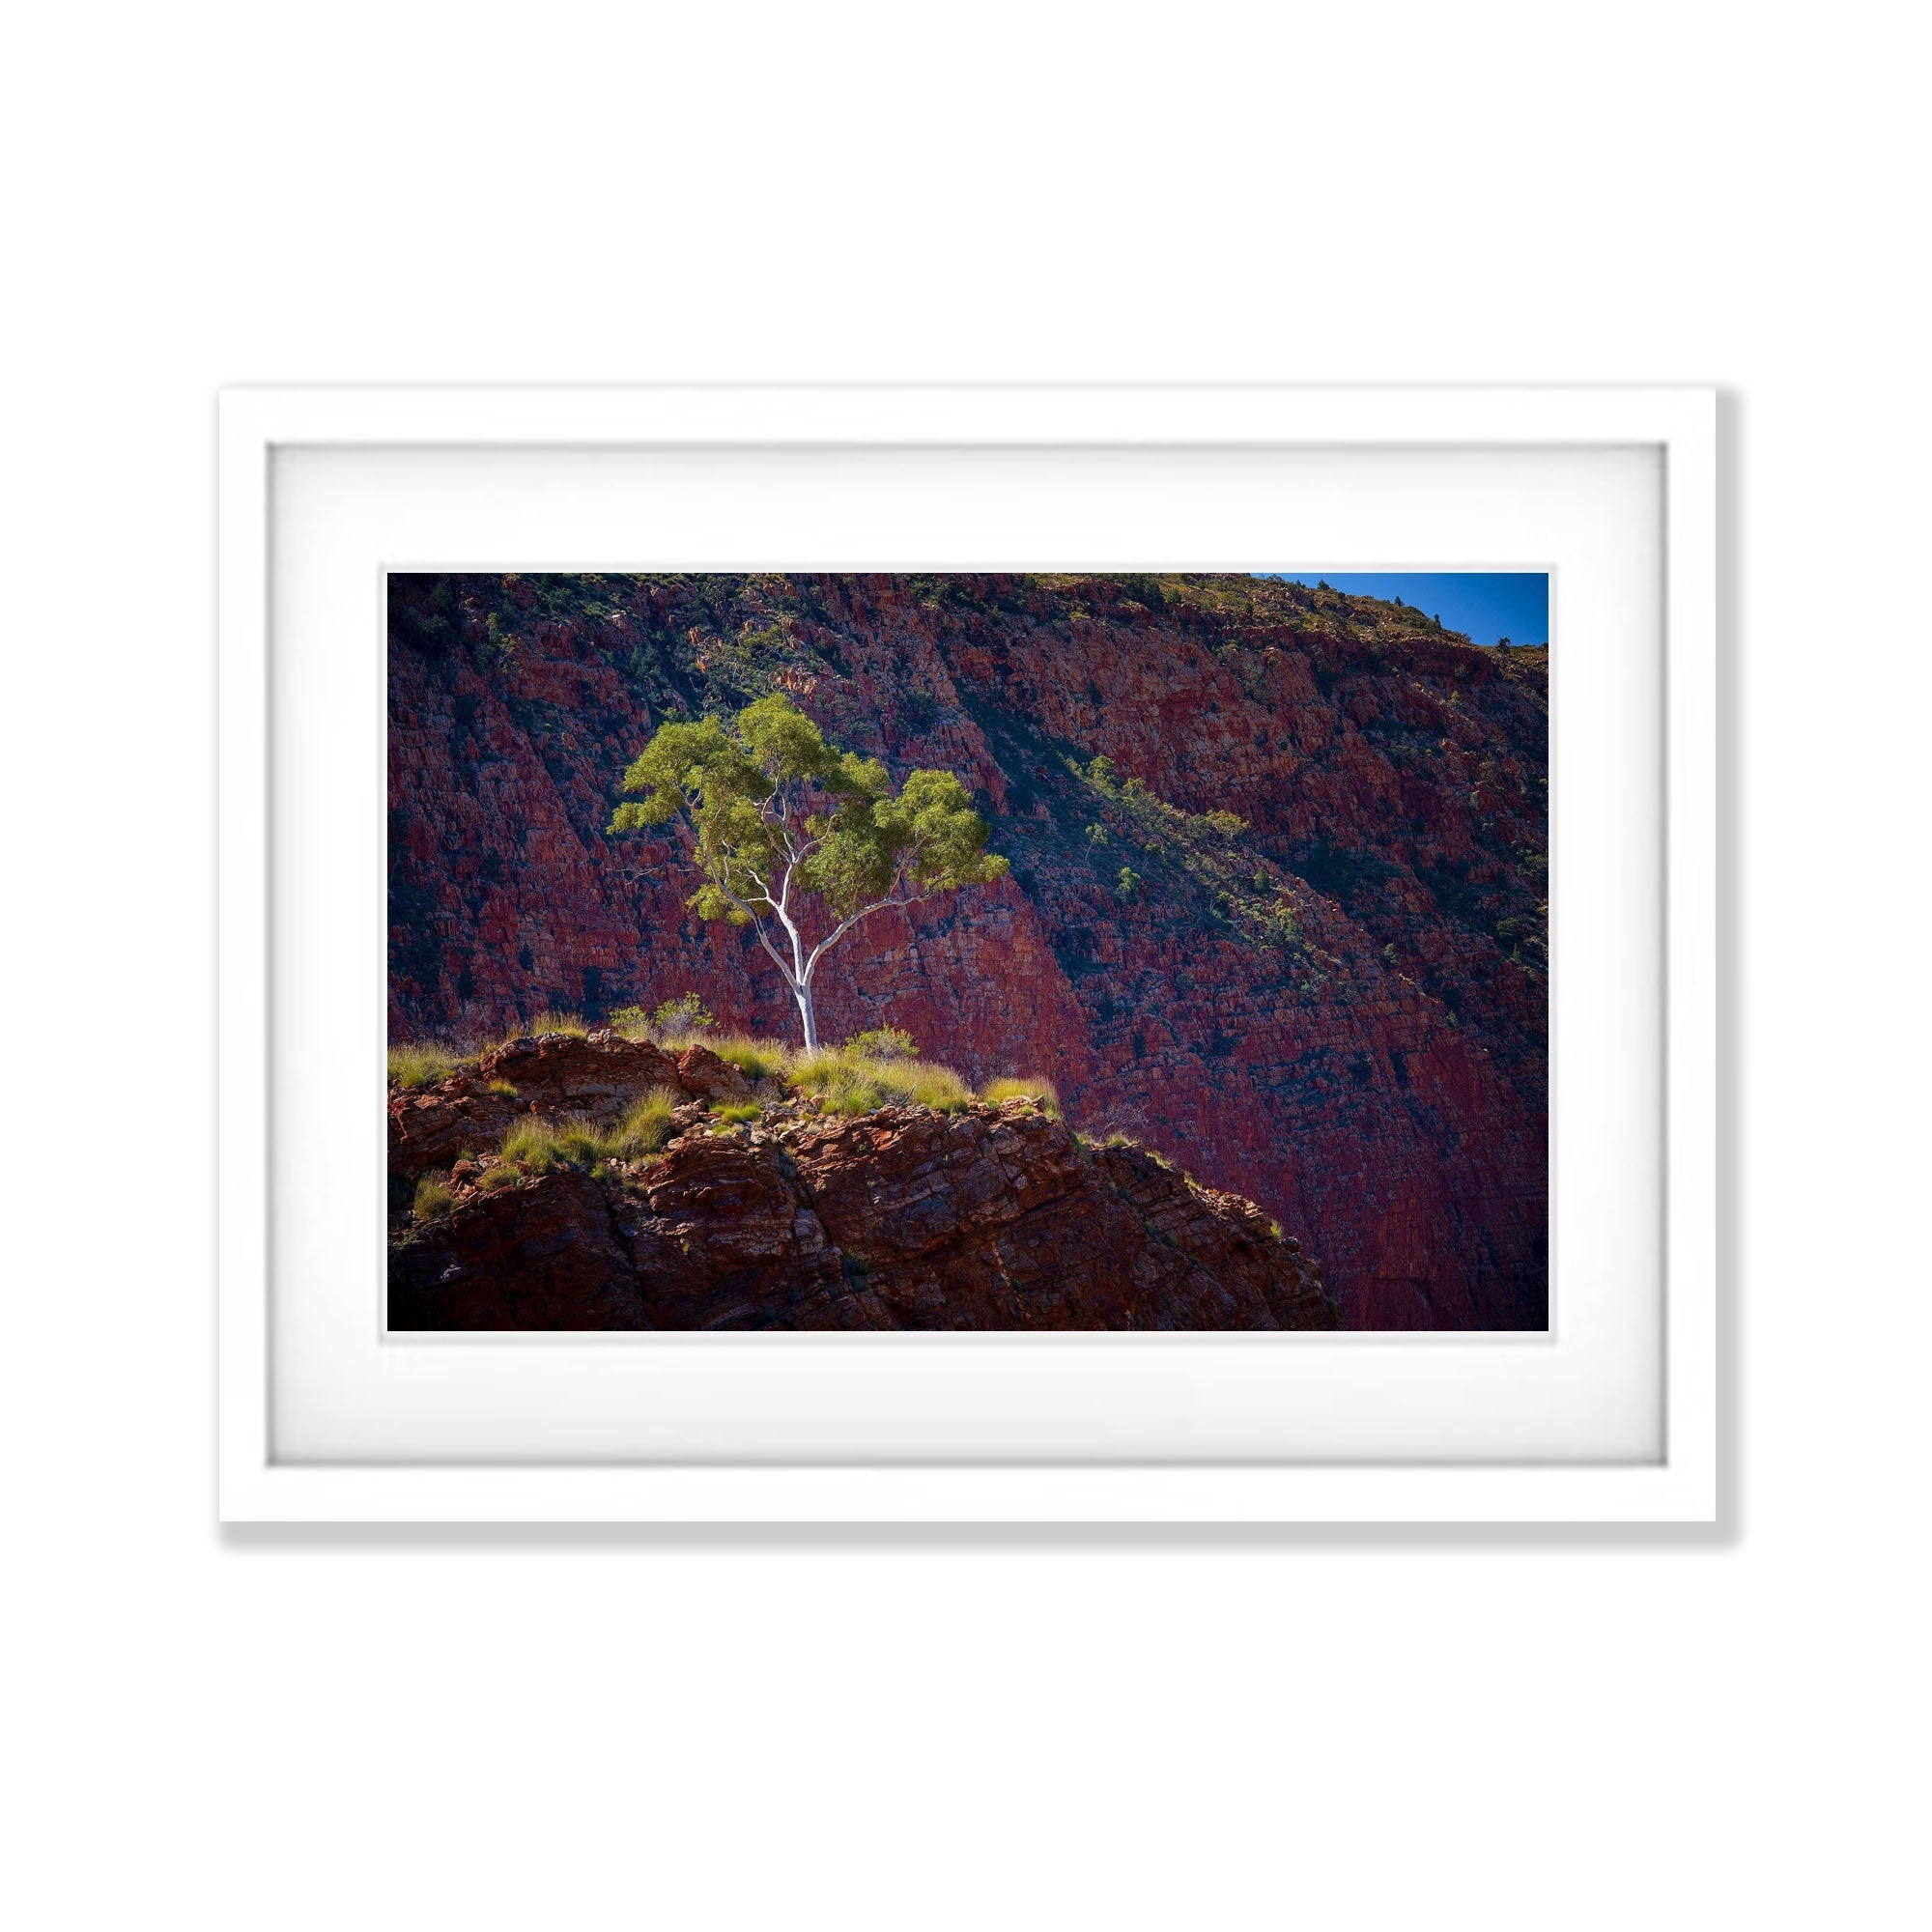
point(794, 836)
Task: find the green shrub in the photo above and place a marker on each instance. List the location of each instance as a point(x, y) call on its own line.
point(883, 1043)
point(1040, 1092)
point(503, 1090)
point(1204, 846)
point(734, 1117)
point(1281, 924)
point(422, 1063)
point(676, 1023)
point(679, 1021)
point(494, 1177)
point(433, 1198)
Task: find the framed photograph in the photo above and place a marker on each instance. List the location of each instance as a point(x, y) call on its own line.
point(968, 955)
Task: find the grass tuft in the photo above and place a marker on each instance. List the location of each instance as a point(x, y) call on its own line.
point(537, 1144)
point(433, 1198)
point(1040, 1092)
point(755, 1059)
point(849, 1083)
point(494, 1177)
point(573, 1141)
point(734, 1117)
point(422, 1063)
point(556, 1022)
point(645, 1129)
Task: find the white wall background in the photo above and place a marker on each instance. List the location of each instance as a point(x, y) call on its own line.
point(586, 1730)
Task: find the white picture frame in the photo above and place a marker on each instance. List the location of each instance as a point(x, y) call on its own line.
point(1455, 1478)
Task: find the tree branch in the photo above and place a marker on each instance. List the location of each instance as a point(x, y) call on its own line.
point(758, 926)
point(845, 926)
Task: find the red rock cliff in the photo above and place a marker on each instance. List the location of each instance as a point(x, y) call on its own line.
point(1338, 1011)
point(986, 1217)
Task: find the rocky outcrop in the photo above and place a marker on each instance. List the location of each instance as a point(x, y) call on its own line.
point(541, 1256)
point(597, 1076)
point(994, 1217)
point(1338, 1011)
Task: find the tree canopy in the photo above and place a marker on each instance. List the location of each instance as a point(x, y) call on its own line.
point(779, 820)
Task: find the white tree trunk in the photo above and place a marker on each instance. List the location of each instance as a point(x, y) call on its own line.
point(802, 992)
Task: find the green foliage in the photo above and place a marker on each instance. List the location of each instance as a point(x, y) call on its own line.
point(551, 1021)
point(846, 1083)
point(503, 1090)
point(1150, 814)
point(503, 1175)
point(1145, 591)
point(496, 651)
point(676, 1023)
point(738, 1116)
point(422, 1063)
point(1525, 932)
point(883, 1043)
point(1202, 844)
point(1041, 1093)
point(778, 818)
point(543, 1145)
point(433, 1198)
point(681, 1020)
point(769, 794)
point(878, 1069)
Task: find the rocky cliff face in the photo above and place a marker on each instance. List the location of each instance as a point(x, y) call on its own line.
point(989, 1218)
point(1335, 1007)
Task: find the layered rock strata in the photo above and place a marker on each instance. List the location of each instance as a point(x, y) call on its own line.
point(992, 1217)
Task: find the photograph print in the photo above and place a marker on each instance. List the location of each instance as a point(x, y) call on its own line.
point(886, 952)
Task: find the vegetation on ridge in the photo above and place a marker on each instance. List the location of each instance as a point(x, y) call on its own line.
point(779, 820)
